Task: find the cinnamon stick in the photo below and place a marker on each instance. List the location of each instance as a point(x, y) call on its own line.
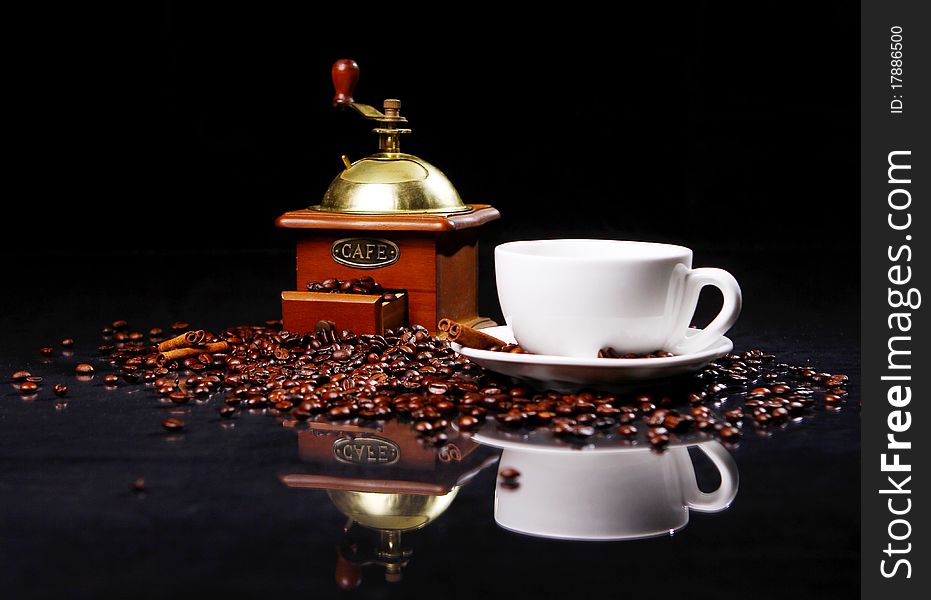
point(442, 329)
point(185, 340)
point(194, 338)
point(472, 338)
point(182, 353)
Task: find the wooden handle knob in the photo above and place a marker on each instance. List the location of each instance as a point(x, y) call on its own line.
point(345, 77)
point(348, 574)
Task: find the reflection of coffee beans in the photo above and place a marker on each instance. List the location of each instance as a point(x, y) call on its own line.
point(173, 424)
point(612, 353)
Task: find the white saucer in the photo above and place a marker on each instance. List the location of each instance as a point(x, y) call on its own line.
point(566, 373)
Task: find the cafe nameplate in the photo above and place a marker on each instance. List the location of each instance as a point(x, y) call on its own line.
point(366, 450)
point(365, 253)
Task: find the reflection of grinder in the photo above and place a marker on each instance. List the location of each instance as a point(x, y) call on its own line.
point(393, 217)
point(386, 480)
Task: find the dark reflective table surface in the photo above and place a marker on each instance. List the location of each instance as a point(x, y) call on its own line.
point(249, 508)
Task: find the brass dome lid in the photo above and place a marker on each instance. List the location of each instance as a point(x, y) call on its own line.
point(401, 512)
point(391, 182)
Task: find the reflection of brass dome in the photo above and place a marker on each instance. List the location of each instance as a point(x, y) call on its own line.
point(391, 182)
point(400, 512)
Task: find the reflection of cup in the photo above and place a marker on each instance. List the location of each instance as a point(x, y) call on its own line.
point(630, 494)
point(575, 297)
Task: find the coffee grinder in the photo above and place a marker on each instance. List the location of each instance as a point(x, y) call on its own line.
point(393, 217)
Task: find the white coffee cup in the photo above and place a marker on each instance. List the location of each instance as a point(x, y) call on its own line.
point(575, 297)
point(628, 494)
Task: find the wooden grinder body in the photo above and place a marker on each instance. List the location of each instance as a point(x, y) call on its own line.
point(436, 262)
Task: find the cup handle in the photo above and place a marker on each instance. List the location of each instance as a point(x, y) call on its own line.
point(695, 280)
point(722, 497)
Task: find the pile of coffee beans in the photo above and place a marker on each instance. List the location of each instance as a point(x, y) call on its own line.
point(407, 374)
point(361, 285)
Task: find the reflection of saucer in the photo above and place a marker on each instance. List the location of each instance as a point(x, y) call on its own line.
point(569, 372)
point(541, 440)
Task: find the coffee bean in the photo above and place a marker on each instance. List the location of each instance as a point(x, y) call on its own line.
point(138, 485)
point(729, 434)
point(47, 351)
point(508, 473)
point(675, 422)
point(84, 369)
point(438, 388)
point(705, 424)
point(511, 419)
point(779, 413)
point(60, 389)
point(585, 418)
point(111, 379)
point(734, 416)
point(21, 375)
point(179, 397)
point(658, 440)
point(340, 412)
point(28, 387)
point(467, 422)
point(627, 430)
point(67, 343)
point(582, 431)
point(173, 424)
point(647, 407)
point(227, 412)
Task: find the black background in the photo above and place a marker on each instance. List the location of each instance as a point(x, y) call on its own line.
point(693, 123)
point(155, 144)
